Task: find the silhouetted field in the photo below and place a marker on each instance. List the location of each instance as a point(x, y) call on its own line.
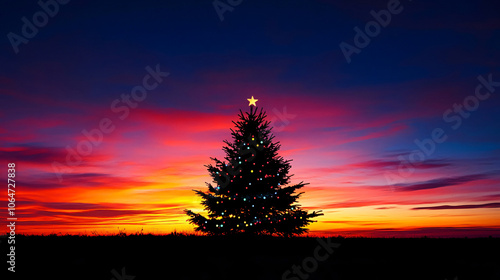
point(201, 257)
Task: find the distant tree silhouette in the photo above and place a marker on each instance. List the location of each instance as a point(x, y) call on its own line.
point(251, 193)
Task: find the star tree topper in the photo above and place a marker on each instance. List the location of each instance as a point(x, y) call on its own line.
point(252, 101)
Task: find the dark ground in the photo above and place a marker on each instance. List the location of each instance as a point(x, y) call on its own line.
point(200, 257)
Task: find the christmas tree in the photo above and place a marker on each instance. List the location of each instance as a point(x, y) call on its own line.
point(251, 192)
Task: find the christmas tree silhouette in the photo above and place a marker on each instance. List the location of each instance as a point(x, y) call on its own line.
point(250, 192)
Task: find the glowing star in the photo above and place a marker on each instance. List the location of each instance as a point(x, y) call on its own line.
point(252, 101)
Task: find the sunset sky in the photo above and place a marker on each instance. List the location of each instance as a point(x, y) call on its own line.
point(350, 128)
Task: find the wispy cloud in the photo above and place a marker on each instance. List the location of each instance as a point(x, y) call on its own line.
point(466, 206)
point(440, 183)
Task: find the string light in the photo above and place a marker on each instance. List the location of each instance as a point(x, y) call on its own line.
point(236, 160)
